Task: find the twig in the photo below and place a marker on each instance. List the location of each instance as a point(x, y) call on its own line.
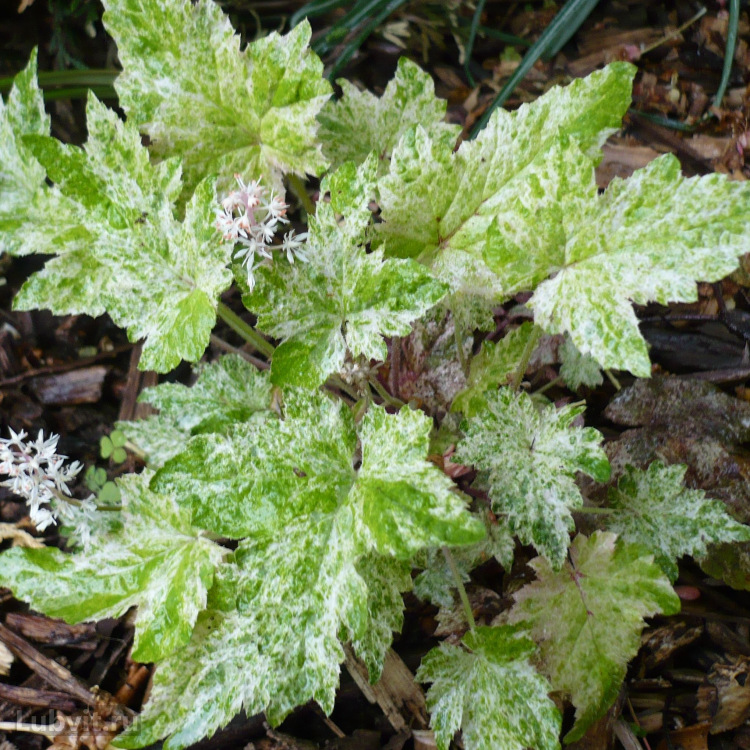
point(227, 347)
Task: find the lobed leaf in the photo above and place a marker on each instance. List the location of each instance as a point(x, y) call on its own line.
point(22, 178)
point(655, 509)
point(641, 241)
point(359, 122)
point(119, 247)
point(494, 365)
point(222, 109)
point(438, 206)
point(324, 556)
point(154, 559)
point(531, 456)
point(488, 688)
point(344, 298)
point(587, 618)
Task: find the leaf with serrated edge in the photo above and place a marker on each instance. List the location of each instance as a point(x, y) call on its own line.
point(228, 390)
point(156, 438)
point(325, 556)
point(154, 560)
point(495, 363)
point(343, 297)
point(588, 617)
point(655, 509)
point(439, 206)
point(359, 122)
point(642, 241)
point(578, 369)
point(532, 455)
point(490, 691)
point(187, 83)
point(127, 254)
point(437, 583)
point(22, 178)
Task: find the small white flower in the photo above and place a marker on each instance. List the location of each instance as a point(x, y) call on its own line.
point(293, 245)
point(36, 472)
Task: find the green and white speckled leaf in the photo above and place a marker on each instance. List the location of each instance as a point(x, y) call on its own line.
point(436, 582)
point(344, 298)
point(439, 206)
point(154, 560)
point(119, 248)
point(223, 110)
point(303, 464)
point(490, 691)
point(531, 457)
point(324, 558)
point(157, 438)
point(493, 366)
point(578, 369)
point(587, 618)
point(641, 241)
point(228, 390)
point(359, 122)
point(655, 509)
point(22, 178)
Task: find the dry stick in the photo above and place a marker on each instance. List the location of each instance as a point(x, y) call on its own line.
point(48, 669)
point(17, 726)
point(227, 347)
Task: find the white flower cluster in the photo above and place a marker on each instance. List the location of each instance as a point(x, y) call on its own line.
point(39, 474)
point(251, 216)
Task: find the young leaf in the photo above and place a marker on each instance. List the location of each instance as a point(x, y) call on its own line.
point(359, 122)
point(22, 178)
point(532, 456)
point(436, 582)
point(343, 297)
point(438, 206)
point(119, 247)
point(654, 508)
point(489, 689)
point(588, 617)
point(640, 241)
point(317, 561)
point(154, 559)
point(493, 366)
point(578, 369)
point(157, 438)
point(224, 110)
point(228, 390)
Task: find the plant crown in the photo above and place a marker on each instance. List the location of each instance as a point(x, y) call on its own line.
point(322, 484)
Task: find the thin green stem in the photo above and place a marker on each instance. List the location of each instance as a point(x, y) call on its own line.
point(461, 589)
point(612, 379)
point(335, 381)
point(594, 511)
point(247, 332)
point(517, 379)
point(383, 393)
point(299, 189)
point(458, 335)
point(547, 386)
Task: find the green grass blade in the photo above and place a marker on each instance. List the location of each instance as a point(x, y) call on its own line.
point(734, 22)
point(563, 26)
point(470, 42)
point(386, 9)
point(313, 9)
